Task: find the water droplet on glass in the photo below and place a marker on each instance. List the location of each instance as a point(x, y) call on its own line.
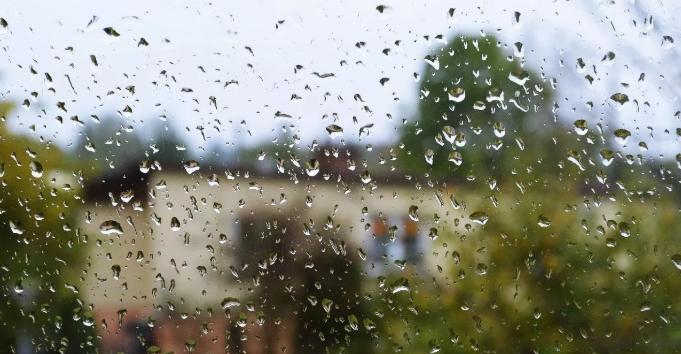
point(365, 177)
point(413, 213)
point(543, 221)
point(16, 227)
point(607, 156)
point(667, 42)
point(676, 260)
point(191, 166)
point(622, 135)
point(116, 271)
point(312, 167)
point(3, 25)
point(175, 224)
point(229, 302)
point(479, 217)
point(457, 94)
point(433, 61)
point(499, 129)
point(127, 195)
point(335, 131)
point(429, 156)
point(620, 98)
point(111, 32)
point(455, 157)
point(110, 227)
point(581, 127)
point(36, 169)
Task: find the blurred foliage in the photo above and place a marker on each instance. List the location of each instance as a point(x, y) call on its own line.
point(597, 280)
point(575, 257)
point(40, 310)
point(468, 103)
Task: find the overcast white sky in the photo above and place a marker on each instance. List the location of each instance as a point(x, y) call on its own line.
point(319, 35)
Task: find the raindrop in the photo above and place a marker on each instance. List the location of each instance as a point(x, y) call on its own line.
point(433, 61)
point(457, 94)
point(516, 19)
point(481, 269)
point(455, 157)
point(667, 42)
point(111, 32)
point(479, 217)
point(399, 285)
point(543, 221)
point(479, 106)
point(116, 271)
point(622, 135)
point(191, 166)
point(174, 224)
point(36, 169)
point(607, 156)
point(676, 260)
point(581, 127)
point(499, 129)
point(413, 213)
point(449, 133)
point(608, 58)
point(127, 195)
point(110, 227)
point(327, 304)
point(229, 302)
point(620, 98)
point(335, 131)
point(429, 156)
point(625, 231)
point(16, 227)
point(365, 177)
point(312, 167)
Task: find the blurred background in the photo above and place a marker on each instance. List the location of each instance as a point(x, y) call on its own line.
point(348, 178)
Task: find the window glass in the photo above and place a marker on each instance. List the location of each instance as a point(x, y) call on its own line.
point(340, 177)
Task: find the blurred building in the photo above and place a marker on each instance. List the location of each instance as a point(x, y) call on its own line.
point(194, 248)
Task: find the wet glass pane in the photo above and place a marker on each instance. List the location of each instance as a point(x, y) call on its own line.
point(340, 177)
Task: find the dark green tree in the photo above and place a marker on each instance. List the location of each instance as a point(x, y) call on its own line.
point(479, 110)
point(42, 249)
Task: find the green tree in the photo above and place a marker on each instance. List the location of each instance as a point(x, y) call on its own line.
point(574, 256)
point(598, 280)
point(42, 249)
point(478, 109)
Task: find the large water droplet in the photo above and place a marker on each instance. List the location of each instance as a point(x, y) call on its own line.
point(455, 157)
point(479, 217)
point(312, 167)
point(191, 166)
point(335, 131)
point(36, 169)
point(457, 94)
point(429, 156)
point(543, 221)
point(581, 127)
point(622, 135)
point(229, 302)
point(110, 227)
point(413, 213)
point(16, 227)
point(620, 98)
